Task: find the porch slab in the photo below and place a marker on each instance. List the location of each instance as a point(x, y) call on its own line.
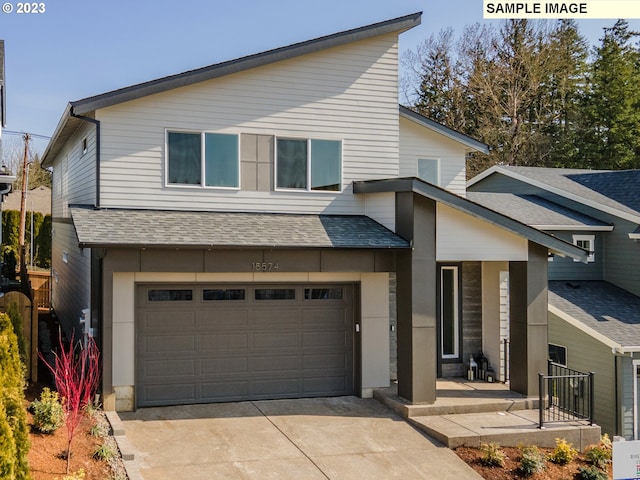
point(470, 413)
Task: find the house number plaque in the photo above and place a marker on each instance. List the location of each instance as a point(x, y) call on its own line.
point(264, 266)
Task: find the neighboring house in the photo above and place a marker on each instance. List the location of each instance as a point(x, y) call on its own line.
point(594, 307)
point(38, 200)
point(241, 232)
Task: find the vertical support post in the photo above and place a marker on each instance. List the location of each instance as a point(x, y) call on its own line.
point(592, 395)
point(541, 400)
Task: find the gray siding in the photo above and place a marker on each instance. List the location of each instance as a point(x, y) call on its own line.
point(71, 272)
point(586, 354)
point(565, 268)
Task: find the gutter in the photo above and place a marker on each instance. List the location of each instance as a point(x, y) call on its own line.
point(97, 124)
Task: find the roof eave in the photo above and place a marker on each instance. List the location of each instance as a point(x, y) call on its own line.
point(400, 24)
point(575, 228)
point(466, 140)
point(412, 184)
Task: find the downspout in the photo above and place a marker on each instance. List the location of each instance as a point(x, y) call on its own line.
point(97, 124)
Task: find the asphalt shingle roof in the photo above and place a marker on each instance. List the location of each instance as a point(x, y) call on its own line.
point(152, 228)
point(533, 210)
point(614, 189)
point(605, 308)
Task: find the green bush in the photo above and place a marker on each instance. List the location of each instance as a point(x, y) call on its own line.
point(48, 414)
point(18, 328)
point(599, 455)
point(12, 401)
point(492, 456)
point(103, 452)
point(79, 475)
point(591, 473)
point(532, 461)
point(563, 453)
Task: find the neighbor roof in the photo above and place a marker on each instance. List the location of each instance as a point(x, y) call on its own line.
point(600, 309)
point(538, 212)
point(416, 185)
point(183, 229)
point(86, 106)
point(614, 192)
point(471, 143)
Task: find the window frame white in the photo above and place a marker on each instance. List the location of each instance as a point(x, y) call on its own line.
point(429, 159)
point(591, 239)
point(308, 188)
point(456, 318)
point(203, 178)
point(566, 352)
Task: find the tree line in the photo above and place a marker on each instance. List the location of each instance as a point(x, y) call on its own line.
point(533, 91)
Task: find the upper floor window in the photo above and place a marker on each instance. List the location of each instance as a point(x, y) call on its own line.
point(203, 159)
point(588, 243)
point(308, 164)
point(429, 170)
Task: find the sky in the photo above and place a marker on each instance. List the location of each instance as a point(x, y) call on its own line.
point(79, 48)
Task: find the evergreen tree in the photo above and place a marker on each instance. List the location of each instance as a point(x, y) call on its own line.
point(610, 131)
point(12, 398)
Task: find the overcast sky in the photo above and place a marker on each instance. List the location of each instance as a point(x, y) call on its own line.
point(79, 48)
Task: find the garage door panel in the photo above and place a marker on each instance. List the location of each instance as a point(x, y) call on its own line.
point(166, 344)
point(160, 369)
point(276, 364)
point(224, 342)
point(270, 340)
point(168, 320)
point(216, 348)
point(209, 366)
point(167, 394)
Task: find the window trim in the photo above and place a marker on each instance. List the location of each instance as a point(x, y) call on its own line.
point(458, 314)
point(308, 188)
point(592, 249)
point(438, 172)
point(566, 352)
point(203, 179)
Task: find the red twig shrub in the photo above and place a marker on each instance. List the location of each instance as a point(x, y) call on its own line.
point(76, 372)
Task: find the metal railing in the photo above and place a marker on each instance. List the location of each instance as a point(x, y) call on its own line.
point(566, 395)
point(506, 345)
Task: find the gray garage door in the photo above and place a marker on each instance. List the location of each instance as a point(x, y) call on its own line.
point(211, 343)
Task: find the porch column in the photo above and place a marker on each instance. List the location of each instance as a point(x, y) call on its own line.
point(416, 299)
point(528, 297)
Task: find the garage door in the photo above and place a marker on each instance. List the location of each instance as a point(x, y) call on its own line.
point(212, 343)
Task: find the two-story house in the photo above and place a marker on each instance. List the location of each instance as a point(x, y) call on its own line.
point(594, 307)
point(241, 231)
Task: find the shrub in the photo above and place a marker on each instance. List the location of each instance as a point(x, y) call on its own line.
point(79, 475)
point(18, 329)
point(48, 414)
point(591, 473)
point(103, 452)
point(492, 456)
point(599, 455)
point(563, 453)
point(12, 400)
point(532, 460)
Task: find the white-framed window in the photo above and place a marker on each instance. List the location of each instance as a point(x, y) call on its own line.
point(586, 242)
point(308, 164)
point(449, 312)
point(203, 159)
point(429, 170)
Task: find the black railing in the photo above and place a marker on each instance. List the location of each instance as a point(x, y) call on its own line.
point(506, 360)
point(566, 395)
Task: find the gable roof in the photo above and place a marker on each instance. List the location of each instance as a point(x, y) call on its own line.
point(602, 310)
point(613, 192)
point(88, 105)
point(466, 140)
point(412, 184)
point(538, 212)
point(97, 228)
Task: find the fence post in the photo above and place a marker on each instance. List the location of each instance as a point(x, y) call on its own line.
point(592, 395)
point(540, 400)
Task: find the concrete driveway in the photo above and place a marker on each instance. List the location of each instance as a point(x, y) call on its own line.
point(320, 438)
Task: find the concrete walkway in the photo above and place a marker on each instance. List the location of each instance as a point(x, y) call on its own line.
point(320, 438)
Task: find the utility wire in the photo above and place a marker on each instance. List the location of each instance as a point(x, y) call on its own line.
point(32, 135)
